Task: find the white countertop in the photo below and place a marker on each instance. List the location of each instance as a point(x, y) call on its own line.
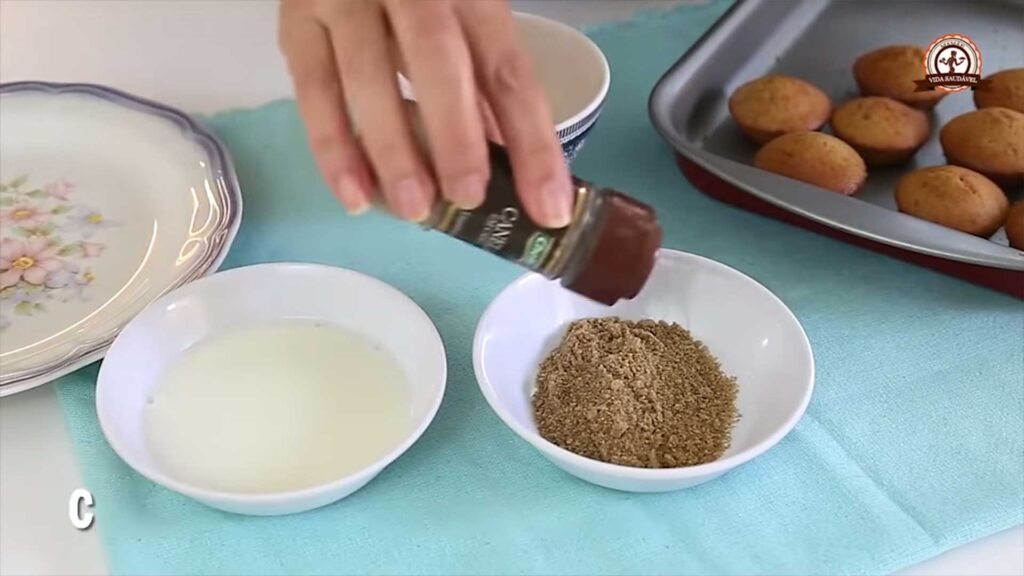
point(201, 56)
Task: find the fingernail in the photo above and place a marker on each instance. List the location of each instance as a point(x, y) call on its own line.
point(409, 199)
point(352, 195)
point(556, 203)
point(467, 192)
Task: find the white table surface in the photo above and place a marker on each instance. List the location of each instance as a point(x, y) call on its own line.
point(201, 56)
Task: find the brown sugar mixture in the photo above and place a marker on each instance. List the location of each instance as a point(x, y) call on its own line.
point(643, 394)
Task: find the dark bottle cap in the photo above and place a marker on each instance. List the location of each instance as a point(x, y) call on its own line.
point(623, 252)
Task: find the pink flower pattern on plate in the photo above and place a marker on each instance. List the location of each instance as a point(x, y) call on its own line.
point(24, 215)
point(59, 189)
point(30, 261)
point(93, 249)
point(46, 244)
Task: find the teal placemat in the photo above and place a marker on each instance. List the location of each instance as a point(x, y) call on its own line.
point(913, 443)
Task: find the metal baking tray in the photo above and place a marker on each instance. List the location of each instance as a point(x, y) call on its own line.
point(818, 40)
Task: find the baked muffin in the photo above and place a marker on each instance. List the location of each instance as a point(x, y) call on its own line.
point(1014, 225)
point(815, 158)
point(771, 106)
point(954, 197)
point(1004, 88)
point(891, 71)
point(990, 141)
point(882, 130)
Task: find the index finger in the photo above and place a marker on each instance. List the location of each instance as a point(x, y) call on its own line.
point(318, 92)
point(433, 47)
point(506, 77)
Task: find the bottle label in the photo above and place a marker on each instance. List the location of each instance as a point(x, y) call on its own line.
point(501, 225)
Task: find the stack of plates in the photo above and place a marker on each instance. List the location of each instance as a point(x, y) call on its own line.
point(107, 201)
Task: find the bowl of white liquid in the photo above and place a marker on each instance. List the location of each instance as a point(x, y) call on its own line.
point(271, 389)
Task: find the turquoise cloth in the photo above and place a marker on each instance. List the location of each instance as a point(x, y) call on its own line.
point(913, 443)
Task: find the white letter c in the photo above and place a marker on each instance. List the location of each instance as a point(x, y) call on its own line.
point(80, 498)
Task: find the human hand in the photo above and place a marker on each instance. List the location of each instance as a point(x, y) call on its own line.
point(464, 59)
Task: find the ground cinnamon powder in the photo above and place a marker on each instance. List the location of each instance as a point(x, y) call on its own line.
point(641, 394)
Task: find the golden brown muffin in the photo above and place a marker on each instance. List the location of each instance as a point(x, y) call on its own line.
point(771, 106)
point(891, 71)
point(1014, 225)
point(954, 197)
point(814, 158)
point(882, 130)
point(1004, 88)
point(990, 141)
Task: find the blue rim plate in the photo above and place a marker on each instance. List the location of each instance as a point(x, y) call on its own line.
point(107, 202)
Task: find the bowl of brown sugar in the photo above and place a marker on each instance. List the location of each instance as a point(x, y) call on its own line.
point(703, 371)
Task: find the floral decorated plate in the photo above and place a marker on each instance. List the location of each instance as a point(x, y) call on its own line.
point(107, 201)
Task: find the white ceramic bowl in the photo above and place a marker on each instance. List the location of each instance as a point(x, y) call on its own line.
point(753, 334)
point(243, 296)
point(574, 73)
point(572, 70)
